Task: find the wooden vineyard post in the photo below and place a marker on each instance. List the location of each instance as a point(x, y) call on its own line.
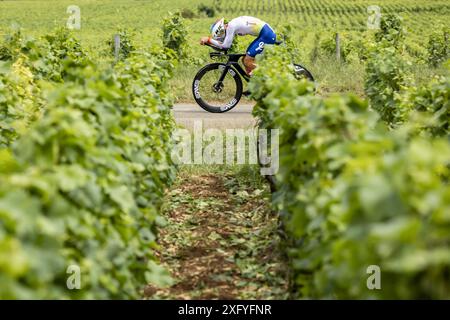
point(446, 41)
point(116, 47)
point(338, 47)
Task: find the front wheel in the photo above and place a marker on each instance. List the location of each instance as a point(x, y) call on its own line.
point(214, 95)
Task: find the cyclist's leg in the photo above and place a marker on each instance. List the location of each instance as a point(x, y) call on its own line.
point(249, 58)
point(266, 36)
point(249, 64)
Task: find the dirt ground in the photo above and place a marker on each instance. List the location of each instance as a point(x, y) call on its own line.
point(221, 240)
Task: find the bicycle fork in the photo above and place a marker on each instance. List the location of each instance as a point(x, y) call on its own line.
point(218, 86)
point(232, 68)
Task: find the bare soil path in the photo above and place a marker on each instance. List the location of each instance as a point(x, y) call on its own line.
point(221, 241)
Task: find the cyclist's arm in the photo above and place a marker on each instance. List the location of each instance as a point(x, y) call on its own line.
point(227, 42)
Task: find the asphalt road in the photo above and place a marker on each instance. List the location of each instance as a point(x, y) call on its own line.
point(238, 117)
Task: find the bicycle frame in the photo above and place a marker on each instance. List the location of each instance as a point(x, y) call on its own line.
point(233, 63)
point(237, 72)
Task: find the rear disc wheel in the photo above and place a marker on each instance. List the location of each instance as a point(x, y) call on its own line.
point(302, 73)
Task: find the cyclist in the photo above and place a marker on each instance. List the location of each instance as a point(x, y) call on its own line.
point(223, 33)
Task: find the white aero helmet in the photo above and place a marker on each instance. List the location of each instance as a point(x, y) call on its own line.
point(218, 29)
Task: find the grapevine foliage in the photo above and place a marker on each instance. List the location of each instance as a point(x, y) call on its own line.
point(386, 77)
point(391, 30)
point(82, 184)
point(174, 34)
point(46, 57)
point(392, 92)
point(439, 47)
point(20, 102)
point(432, 102)
point(353, 193)
point(126, 43)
